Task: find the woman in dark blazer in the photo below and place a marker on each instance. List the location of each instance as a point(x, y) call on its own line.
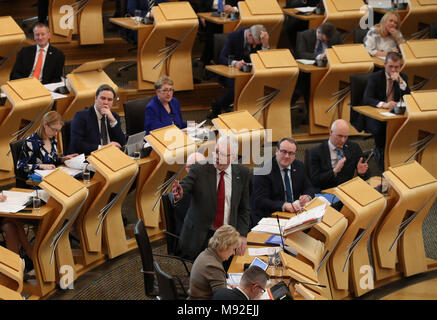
point(163, 110)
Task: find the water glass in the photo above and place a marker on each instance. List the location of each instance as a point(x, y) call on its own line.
point(36, 204)
point(230, 65)
point(137, 155)
point(86, 174)
point(223, 15)
point(138, 16)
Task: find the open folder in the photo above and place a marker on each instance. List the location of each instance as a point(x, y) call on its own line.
point(305, 220)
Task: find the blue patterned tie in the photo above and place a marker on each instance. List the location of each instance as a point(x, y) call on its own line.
point(339, 154)
point(319, 49)
point(288, 186)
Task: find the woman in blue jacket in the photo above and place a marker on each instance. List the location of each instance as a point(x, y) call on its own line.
point(163, 110)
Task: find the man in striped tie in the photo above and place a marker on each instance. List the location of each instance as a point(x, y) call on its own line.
point(41, 61)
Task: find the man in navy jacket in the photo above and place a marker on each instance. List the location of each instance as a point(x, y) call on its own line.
point(270, 191)
point(87, 134)
point(239, 44)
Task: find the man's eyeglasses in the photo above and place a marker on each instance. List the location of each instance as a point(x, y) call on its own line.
point(258, 286)
point(284, 153)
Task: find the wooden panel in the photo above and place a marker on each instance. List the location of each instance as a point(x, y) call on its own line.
point(113, 160)
point(28, 88)
point(263, 7)
point(178, 11)
point(424, 48)
point(413, 175)
point(360, 191)
point(426, 100)
point(280, 58)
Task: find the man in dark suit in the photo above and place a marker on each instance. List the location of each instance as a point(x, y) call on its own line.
point(312, 44)
point(42, 61)
point(277, 191)
point(334, 161)
point(385, 88)
point(98, 125)
point(219, 195)
point(209, 28)
point(251, 287)
point(239, 44)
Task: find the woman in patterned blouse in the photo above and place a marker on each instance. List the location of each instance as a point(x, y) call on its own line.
point(385, 36)
point(40, 149)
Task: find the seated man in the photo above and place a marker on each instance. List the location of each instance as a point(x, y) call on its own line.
point(277, 191)
point(239, 44)
point(41, 61)
point(312, 44)
point(97, 126)
point(334, 161)
point(252, 285)
point(385, 88)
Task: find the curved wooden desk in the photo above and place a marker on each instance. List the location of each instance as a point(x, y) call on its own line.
point(422, 12)
point(331, 97)
point(68, 17)
point(416, 137)
point(228, 24)
point(394, 122)
point(11, 271)
point(170, 149)
point(363, 206)
point(314, 20)
point(11, 40)
point(102, 225)
point(267, 94)
point(420, 63)
point(345, 15)
point(27, 101)
point(84, 81)
point(398, 237)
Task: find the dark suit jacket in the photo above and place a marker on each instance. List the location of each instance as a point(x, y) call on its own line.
point(85, 133)
point(268, 190)
point(321, 174)
point(376, 91)
point(53, 65)
point(229, 294)
point(306, 43)
point(201, 184)
point(234, 45)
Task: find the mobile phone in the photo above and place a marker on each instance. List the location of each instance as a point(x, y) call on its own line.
point(370, 156)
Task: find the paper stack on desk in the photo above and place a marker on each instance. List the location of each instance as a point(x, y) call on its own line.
point(305, 220)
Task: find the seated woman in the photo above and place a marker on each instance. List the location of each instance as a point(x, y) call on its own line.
point(163, 110)
point(208, 274)
point(15, 238)
point(384, 37)
point(40, 149)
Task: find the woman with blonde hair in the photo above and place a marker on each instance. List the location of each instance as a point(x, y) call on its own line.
point(384, 37)
point(208, 274)
point(40, 149)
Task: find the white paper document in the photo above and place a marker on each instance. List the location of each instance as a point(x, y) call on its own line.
point(306, 9)
point(306, 216)
point(77, 162)
point(273, 222)
point(387, 114)
point(306, 61)
point(267, 251)
point(265, 228)
point(15, 201)
point(72, 172)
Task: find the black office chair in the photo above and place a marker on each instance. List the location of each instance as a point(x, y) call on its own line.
point(20, 178)
point(168, 285)
point(134, 114)
point(172, 237)
point(65, 135)
point(148, 270)
point(358, 83)
point(359, 35)
point(433, 30)
point(306, 161)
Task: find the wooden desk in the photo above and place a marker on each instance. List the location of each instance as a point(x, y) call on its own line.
point(420, 15)
point(314, 20)
point(228, 24)
point(393, 124)
point(241, 78)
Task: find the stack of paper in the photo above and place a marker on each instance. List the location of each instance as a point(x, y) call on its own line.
point(15, 201)
point(306, 61)
point(305, 220)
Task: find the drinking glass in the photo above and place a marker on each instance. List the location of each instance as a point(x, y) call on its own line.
point(36, 203)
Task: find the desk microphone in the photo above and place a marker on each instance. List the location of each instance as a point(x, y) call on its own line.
point(282, 239)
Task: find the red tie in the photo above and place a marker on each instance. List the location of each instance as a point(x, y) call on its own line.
point(220, 213)
point(38, 65)
point(390, 91)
